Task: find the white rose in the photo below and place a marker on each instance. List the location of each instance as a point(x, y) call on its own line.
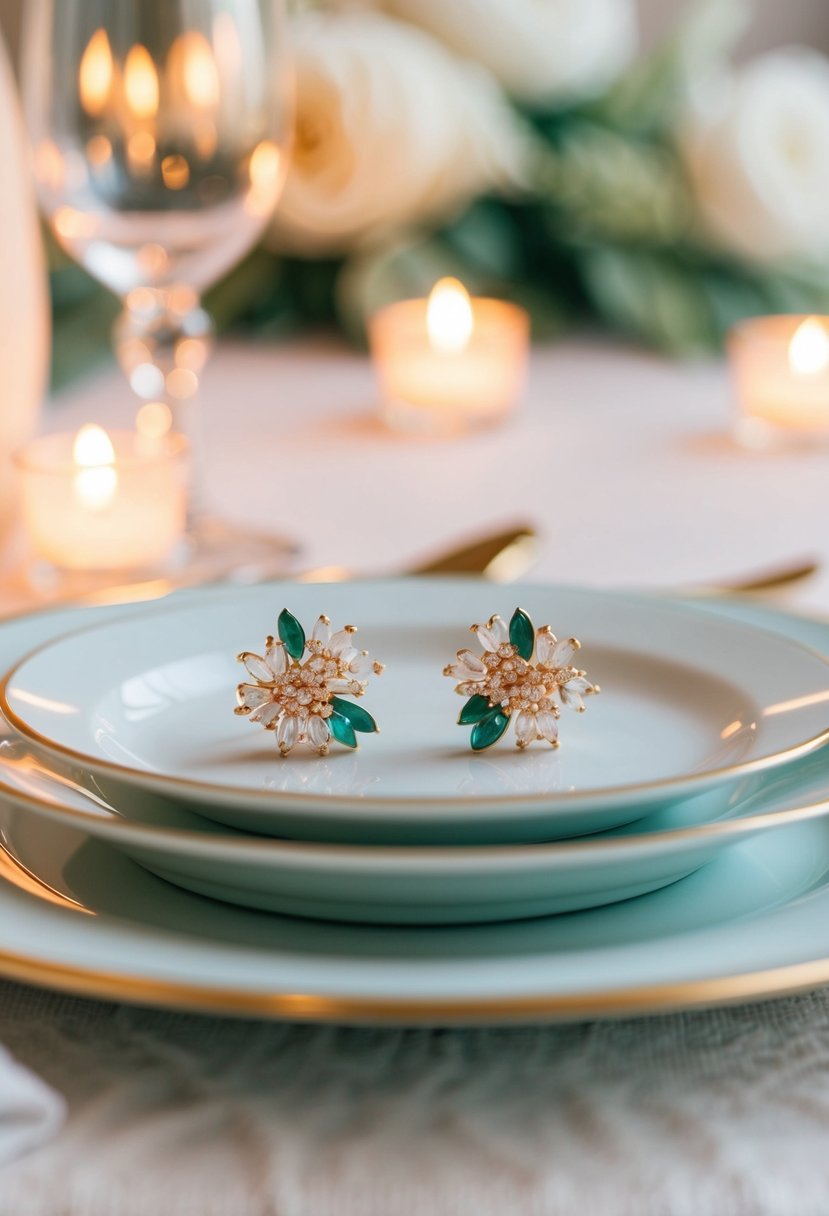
point(391, 130)
point(756, 147)
point(542, 51)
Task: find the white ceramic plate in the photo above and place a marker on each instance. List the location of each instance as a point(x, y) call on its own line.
point(690, 701)
point(76, 915)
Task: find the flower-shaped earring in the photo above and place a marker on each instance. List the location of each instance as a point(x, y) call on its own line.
point(504, 680)
point(299, 684)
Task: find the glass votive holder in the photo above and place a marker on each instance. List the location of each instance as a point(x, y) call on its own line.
point(449, 364)
point(780, 371)
point(104, 502)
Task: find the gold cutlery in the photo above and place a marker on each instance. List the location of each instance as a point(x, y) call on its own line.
point(502, 556)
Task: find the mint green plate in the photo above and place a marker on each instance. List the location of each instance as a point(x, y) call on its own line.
point(406, 884)
point(691, 703)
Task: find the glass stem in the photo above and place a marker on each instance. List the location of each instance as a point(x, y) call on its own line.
point(163, 339)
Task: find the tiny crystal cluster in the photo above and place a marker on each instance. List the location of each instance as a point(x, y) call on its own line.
point(522, 672)
point(299, 684)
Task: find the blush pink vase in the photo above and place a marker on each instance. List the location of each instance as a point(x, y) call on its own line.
point(24, 307)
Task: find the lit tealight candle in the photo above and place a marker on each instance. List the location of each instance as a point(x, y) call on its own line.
point(781, 375)
point(450, 363)
point(95, 501)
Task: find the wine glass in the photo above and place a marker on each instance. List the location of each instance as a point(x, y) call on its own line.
point(160, 133)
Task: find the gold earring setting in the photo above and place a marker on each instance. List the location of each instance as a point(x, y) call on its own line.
point(522, 673)
point(299, 686)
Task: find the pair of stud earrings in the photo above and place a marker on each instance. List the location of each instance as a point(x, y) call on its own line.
point(300, 687)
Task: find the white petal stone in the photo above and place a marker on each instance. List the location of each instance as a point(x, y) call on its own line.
point(471, 665)
point(340, 641)
point(276, 658)
point(318, 732)
point(570, 697)
point(526, 729)
point(287, 734)
point(338, 685)
point(459, 671)
point(499, 629)
point(580, 684)
point(545, 646)
point(257, 668)
point(252, 695)
point(348, 655)
point(486, 637)
point(361, 665)
point(547, 724)
point(266, 714)
point(564, 651)
point(322, 630)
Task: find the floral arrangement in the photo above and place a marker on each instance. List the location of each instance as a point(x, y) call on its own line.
point(529, 149)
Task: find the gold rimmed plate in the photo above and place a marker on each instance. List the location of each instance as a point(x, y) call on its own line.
point(691, 702)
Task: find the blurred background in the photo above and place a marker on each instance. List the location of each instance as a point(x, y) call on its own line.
point(652, 169)
point(805, 21)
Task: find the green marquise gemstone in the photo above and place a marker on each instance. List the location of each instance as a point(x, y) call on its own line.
point(522, 634)
point(355, 714)
point(489, 730)
point(342, 730)
point(291, 634)
point(477, 707)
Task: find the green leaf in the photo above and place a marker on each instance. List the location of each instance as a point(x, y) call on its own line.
point(358, 717)
point(291, 634)
point(489, 730)
point(477, 707)
point(342, 730)
point(522, 634)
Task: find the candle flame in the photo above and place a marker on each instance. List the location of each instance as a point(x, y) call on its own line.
point(265, 175)
point(201, 78)
point(140, 82)
point(95, 481)
point(809, 348)
point(449, 320)
point(95, 74)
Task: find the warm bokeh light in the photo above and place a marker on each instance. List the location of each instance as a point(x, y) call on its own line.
point(201, 79)
point(140, 83)
point(96, 480)
point(95, 74)
point(92, 447)
point(809, 348)
point(181, 383)
point(264, 168)
point(50, 167)
point(141, 151)
point(99, 151)
point(154, 420)
point(73, 225)
point(192, 353)
point(175, 171)
point(449, 320)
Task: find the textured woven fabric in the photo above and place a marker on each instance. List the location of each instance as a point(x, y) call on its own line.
point(30, 1112)
point(724, 1113)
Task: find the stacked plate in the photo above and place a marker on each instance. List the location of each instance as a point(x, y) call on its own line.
point(413, 879)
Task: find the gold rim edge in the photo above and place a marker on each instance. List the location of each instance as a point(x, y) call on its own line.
point(145, 779)
point(309, 1007)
